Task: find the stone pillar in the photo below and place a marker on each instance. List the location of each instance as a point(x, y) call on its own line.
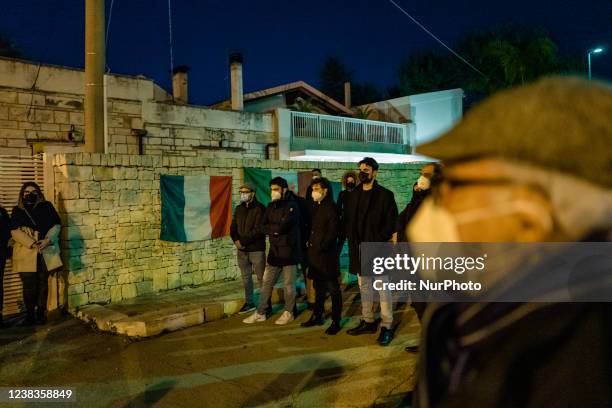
point(180, 88)
point(236, 81)
point(95, 61)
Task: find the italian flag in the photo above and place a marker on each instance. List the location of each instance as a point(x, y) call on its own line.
point(298, 182)
point(195, 208)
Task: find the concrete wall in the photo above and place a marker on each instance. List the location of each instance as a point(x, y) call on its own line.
point(42, 105)
point(433, 113)
point(110, 210)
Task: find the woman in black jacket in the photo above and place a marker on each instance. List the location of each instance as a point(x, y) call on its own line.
point(35, 225)
point(323, 256)
point(5, 234)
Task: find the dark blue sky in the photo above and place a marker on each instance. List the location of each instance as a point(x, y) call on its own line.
point(285, 41)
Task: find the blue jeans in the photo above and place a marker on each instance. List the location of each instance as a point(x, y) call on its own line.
point(271, 275)
point(249, 263)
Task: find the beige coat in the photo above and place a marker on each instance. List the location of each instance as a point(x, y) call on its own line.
point(24, 257)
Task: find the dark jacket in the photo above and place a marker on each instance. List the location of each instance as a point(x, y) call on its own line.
point(5, 232)
point(375, 222)
point(44, 217)
point(282, 225)
point(404, 218)
point(305, 209)
point(247, 226)
point(341, 205)
point(322, 245)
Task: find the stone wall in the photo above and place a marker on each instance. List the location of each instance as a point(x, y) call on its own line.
point(110, 210)
point(43, 105)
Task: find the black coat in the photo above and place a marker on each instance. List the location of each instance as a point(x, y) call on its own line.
point(323, 259)
point(282, 225)
point(305, 209)
point(247, 226)
point(5, 232)
point(376, 225)
point(341, 205)
point(404, 218)
point(43, 214)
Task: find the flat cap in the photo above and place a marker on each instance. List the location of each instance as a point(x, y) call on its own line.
point(248, 186)
point(559, 123)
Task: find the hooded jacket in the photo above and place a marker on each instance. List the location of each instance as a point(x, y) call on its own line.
point(282, 225)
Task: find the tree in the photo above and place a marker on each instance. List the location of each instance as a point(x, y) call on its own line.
point(364, 93)
point(427, 72)
point(8, 48)
point(334, 73)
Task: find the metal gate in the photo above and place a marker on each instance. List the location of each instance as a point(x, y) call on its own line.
point(14, 171)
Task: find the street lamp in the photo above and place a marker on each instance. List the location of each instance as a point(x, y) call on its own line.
point(593, 51)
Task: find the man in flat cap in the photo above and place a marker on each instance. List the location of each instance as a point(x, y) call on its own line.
point(531, 164)
point(247, 232)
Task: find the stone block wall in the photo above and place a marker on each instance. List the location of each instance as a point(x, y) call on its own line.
point(110, 210)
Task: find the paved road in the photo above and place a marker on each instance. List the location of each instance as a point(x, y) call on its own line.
point(219, 364)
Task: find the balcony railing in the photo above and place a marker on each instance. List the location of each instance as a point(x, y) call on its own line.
point(314, 131)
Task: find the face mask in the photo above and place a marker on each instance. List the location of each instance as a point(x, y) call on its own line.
point(350, 186)
point(364, 177)
point(276, 195)
point(317, 196)
point(245, 197)
point(30, 198)
point(423, 183)
point(433, 223)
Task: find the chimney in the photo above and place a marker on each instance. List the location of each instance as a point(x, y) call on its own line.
point(235, 61)
point(347, 94)
point(180, 84)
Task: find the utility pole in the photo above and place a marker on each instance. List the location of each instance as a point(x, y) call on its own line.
point(95, 61)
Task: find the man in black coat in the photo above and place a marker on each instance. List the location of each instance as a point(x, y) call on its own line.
point(282, 225)
point(324, 268)
point(371, 216)
point(5, 235)
point(248, 235)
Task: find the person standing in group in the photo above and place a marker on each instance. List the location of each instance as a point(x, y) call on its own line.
point(249, 237)
point(324, 268)
point(5, 235)
point(282, 225)
point(349, 182)
point(35, 227)
point(431, 175)
point(306, 205)
point(370, 217)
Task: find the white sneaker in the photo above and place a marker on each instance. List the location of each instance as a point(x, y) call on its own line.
point(286, 317)
point(254, 318)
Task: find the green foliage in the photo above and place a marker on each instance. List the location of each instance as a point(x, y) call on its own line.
point(508, 55)
point(363, 112)
point(334, 73)
point(304, 105)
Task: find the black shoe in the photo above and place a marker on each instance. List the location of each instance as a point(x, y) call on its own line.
point(363, 328)
point(246, 308)
point(333, 329)
point(30, 320)
point(385, 337)
point(313, 321)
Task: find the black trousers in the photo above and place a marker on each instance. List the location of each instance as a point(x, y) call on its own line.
point(322, 287)
point(35, 287)
point(3, 256)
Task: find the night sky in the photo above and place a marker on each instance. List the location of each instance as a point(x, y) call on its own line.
point(285, 41)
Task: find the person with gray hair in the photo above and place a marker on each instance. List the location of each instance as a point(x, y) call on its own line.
point(529, 165)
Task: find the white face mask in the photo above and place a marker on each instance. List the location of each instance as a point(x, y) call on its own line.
point(423, 183)
point(317, 196)
point(276, 195)
point(245, 197)
point(434, 223)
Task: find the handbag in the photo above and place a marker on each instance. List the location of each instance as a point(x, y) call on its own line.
point(51, 253)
